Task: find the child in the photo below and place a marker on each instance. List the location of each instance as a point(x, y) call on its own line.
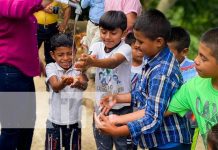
point(212, 138)
point(137, 58)
point(136, 70)
point(95, 12)
point(160, 80)
point(112, 57)
point(200, 94)
point(66, 85)
point(179, 44)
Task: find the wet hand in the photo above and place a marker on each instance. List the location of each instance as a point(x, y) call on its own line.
point(107, 103)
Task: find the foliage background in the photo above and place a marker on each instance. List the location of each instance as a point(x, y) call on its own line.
point(196, 16)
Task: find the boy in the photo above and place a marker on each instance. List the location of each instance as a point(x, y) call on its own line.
point(66, 85)
point(178, 43)
point(112, 57)
point(137, 58)
point(201, 93)
point(160, 80)
point(136, 70)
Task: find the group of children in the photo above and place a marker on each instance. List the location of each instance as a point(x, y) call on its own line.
point(139, 86)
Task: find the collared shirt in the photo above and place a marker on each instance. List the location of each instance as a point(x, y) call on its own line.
point(188, 70)
point(96, 9)
point(64, 106)
point(160, 79)
point(18, 38)
point(127, 6)
point(47, 18)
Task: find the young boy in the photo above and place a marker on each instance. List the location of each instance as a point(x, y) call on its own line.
point(160, 80)
point(112, 57)
point(66, 85)
point(178, 43)
point(201, 93)
point(136, 70)
point(137, 58)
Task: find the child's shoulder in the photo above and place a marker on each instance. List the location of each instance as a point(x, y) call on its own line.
point(51, 66)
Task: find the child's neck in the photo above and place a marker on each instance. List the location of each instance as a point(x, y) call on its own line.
point(136, 63)
point(215, 83)
point(108, 50)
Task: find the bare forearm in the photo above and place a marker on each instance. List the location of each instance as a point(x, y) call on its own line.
point(123, 98)
point(121, 131)
point(124, 119)
point(67, 13)
point(58, 86)
point(105, 63)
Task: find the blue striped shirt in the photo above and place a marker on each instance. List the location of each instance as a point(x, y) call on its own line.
point(160, 79)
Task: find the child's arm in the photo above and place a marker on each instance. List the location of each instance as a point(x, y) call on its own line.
point(103, 123)
point(124, 119)
point(109, 101)
point(58, 85)
point(91, 61)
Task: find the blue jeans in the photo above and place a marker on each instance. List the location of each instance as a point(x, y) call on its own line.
point(105, 142)
point(17, 109)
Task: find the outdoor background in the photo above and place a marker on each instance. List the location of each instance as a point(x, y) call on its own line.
point(196, 16)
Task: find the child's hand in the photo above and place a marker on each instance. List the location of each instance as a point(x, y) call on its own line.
point(107, 103)
point(84, 61)
point(102, 122)
point(80, 82)
point(113, 118)
point(66, 80)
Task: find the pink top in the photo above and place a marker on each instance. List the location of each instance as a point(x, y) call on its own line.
point(18, 38)
point(126, 6)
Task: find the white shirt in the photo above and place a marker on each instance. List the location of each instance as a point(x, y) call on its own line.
point(112, 81)
point(64, 106)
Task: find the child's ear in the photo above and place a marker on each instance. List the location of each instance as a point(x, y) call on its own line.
point(185, 52)
point(52, 54)
point(160, 42)
point(125, 32)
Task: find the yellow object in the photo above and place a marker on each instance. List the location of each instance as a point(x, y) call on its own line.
point(46, 18)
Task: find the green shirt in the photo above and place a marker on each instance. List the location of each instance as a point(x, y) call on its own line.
point(199, 96)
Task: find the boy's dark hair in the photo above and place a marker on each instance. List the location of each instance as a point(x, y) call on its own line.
point(212, 137)
point(61, 40)
point(210, 39)
point(112, 20)
point(153, 24)
point(130, 38)
point(180, 37)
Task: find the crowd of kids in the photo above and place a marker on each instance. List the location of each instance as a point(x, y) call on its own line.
point(148, 93)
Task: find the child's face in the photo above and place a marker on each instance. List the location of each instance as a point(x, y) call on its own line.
point(180, 56)
point(137, 54)
point(205, 62)
point(147, 46)
point(111, 38)
point(63, 57)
